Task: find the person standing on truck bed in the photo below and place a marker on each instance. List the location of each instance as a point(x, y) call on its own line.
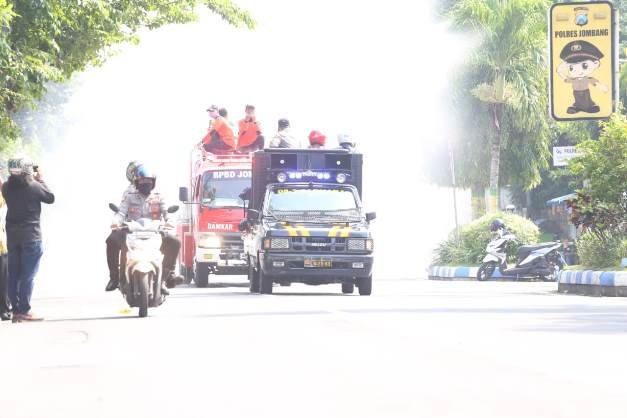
point(316, 140)
point(250, 138)
point(220, 137)
point(283, 138)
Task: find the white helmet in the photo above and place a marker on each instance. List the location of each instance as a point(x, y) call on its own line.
point(345, 141)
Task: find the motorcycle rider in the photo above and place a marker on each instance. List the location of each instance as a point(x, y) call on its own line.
point(316, 140)
point(283, 138)
point(142, 202)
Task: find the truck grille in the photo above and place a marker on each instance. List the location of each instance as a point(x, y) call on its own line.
point(319, 244)
point(232, 247)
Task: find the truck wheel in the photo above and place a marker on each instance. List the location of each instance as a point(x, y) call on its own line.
point(187, 274)
point(265, 283)
point(201, 275)
point(365, 286)
point(253, 278)
point(348, 288)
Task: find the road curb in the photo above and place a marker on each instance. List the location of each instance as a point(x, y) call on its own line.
point(462, 273)
point(593, 283)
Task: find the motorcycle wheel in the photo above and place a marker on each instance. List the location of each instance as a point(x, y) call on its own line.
point(253, 278)
point(144, 294)
point(485, 271)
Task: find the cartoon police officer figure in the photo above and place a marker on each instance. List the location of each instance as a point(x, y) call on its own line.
point(580, 59)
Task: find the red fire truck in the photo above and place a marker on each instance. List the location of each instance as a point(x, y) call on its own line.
point(211, 241)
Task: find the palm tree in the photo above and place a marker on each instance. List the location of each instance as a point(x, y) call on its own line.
point(510, 55)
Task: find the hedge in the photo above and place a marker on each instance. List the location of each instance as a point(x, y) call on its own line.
point(473, 238)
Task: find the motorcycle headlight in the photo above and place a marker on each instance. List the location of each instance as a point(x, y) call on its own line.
point(209, 241)
point(276, 243)
point(360, 244)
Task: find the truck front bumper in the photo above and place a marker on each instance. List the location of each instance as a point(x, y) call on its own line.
point(291, 267)
point(222, 261)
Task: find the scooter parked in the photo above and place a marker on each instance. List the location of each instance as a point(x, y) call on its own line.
point(542, 261)
point(141, 267)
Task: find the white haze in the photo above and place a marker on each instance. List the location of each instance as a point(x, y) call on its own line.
point(376, 70)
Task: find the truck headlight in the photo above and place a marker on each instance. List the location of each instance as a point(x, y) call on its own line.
point(276, 243)
point(209, 241)
point(360, 244)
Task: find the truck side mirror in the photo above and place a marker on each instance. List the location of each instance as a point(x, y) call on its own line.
point(113, 208)
point(183, 194)
point(371, 216)
point(253, 215)
point(244, 225)
point(173, 209)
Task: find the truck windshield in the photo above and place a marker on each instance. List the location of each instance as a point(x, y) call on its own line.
point(313, 204)
point(223, 188)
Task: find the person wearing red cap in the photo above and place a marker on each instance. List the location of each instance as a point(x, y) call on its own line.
point(316, 140)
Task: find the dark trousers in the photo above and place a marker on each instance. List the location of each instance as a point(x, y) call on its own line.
point(217, 145)
point(4, 284)
point(23, 266)
point(116, 253)
point(256, 145)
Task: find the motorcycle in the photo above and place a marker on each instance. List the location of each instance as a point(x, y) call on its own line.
point(141, 266)
point(542, 261)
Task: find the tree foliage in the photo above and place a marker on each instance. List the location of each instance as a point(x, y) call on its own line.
point(44, 41)
point(501, 93)
point(601, 204)
point(473, 238)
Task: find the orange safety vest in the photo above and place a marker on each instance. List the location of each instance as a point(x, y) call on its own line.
point(225, 132)
point(248, 132)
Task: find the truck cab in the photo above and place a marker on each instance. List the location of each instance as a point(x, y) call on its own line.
point(211, 241)
point(306, 223)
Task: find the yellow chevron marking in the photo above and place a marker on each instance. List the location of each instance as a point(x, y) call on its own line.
point(304, 232)
point(333, 232)
point(291, 231)
point(345, 232)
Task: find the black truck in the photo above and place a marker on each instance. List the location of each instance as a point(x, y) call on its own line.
point(305, 222)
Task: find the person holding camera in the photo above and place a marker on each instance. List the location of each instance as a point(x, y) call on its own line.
point(24, 192)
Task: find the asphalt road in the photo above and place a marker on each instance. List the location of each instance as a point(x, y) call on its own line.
point(413, 349)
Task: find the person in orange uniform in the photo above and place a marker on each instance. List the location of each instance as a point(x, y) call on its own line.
point(250, 138)
point(220, 137)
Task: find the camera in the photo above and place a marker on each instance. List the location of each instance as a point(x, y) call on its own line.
point(36, 168)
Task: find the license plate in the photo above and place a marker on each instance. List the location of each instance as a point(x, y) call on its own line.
point(325, 264)
point(208, 257)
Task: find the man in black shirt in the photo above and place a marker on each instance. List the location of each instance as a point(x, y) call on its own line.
point(24, 192)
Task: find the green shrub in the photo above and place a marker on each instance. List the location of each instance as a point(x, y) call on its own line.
point(601, 250)
point(473, 238)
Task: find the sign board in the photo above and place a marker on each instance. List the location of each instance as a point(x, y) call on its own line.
point(583, 60)
point(561, 155)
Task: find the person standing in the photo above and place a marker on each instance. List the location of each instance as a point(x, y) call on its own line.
point(5, 308)
point(250, 138)
point(24, 192)
point(283, 138)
